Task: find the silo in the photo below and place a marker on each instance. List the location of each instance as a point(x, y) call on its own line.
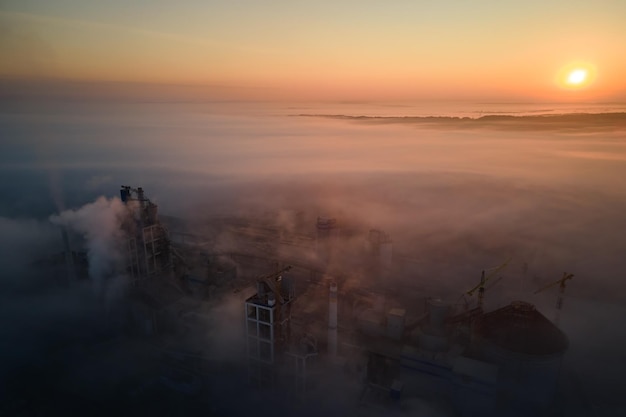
point(332, 321)
point(438, 311)
point(433, 336)
point(381, 248)
point(327, 233)
point(386, 255)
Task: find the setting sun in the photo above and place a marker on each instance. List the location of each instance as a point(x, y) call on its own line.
point(577, 77)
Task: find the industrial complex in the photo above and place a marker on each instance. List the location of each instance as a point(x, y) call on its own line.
point(309, 319)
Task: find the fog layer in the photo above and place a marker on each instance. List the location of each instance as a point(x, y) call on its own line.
point(455, 200)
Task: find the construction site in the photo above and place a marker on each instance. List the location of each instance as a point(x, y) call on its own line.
point(286, 319)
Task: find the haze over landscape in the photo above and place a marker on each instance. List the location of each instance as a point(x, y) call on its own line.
point(469, 131)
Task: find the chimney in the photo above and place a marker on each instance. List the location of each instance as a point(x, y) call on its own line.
point(332, 321)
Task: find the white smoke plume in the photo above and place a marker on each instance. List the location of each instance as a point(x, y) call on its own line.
point(100, 224)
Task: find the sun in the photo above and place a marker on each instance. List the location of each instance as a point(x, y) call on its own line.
point(577, 76)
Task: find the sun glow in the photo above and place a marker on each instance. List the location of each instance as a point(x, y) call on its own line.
point(576, 76)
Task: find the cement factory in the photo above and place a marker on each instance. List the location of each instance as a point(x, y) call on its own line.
point(309, 316)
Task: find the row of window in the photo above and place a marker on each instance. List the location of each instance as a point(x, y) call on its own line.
point(259, 313)
point(260, 330)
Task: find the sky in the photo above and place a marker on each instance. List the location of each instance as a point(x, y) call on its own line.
point(455, 195)
point(325, 50)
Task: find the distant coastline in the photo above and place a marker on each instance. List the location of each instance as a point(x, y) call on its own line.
point(564, 121)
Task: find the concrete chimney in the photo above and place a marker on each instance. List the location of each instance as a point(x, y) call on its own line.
point(332, 321)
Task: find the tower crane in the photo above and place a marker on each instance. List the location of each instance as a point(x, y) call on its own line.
point(480, 287)
point(559, 302)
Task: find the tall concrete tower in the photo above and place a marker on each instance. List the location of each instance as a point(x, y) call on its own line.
point(327, 234)
point(332, 321)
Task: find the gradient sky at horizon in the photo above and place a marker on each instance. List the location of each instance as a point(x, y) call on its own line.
point(364, 49)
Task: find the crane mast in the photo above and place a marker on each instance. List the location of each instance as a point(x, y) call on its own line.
point(559, 301)
point(480, 287)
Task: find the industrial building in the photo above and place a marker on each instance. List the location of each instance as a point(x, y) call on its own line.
point(304, 322)
point(268, 315)
point(148, 241)
point(494, 363)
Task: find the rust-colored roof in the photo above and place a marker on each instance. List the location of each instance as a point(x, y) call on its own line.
point(520, 328)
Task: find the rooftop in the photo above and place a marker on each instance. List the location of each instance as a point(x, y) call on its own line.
point(520, 328)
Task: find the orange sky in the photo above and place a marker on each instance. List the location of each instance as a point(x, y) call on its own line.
point(494, 50)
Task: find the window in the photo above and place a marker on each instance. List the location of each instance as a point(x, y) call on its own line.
point(264, 315)
point(265, 332)
point(251, 311)
point(252, 331)
point(253, 348)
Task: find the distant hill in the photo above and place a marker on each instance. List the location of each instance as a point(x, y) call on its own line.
point(563, 122)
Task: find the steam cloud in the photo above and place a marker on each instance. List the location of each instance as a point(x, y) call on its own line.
point(100, 224)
